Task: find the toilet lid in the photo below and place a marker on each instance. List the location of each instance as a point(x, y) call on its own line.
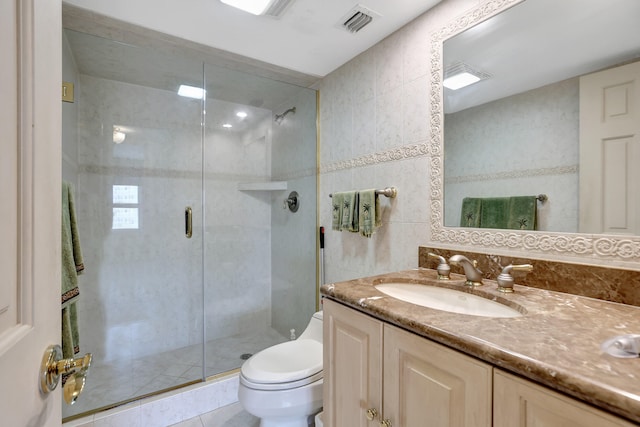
point(286, 362)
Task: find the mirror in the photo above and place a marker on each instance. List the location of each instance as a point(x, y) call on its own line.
point(517, 132)
point(547, 159)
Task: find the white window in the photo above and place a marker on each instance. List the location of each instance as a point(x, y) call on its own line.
point(125, 213)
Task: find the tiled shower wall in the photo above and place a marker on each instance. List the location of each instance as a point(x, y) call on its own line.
point(293, 243)
point(374, 115)
point(141, 293)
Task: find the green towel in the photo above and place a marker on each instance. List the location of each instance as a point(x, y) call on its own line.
point(369, 212)
point(336, 206)
point(470, 215)
point(350, 207)
point(72, 265)
point(494, 212)
point(523, 213)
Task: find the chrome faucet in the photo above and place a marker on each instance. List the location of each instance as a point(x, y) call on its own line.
point(474, 276)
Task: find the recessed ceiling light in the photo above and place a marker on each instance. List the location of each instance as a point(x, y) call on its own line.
point(460, 75)
point(241, 114)
point(460, 80)
point(227, 125)
point(256, 7)
point(191, 92)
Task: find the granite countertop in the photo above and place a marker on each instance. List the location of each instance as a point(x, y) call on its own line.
point(556, 342)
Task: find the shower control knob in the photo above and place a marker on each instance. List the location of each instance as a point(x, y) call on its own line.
point(385, 423)
point(292, 202)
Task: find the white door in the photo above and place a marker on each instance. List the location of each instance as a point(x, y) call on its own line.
point(30, 80)
point(610, 151)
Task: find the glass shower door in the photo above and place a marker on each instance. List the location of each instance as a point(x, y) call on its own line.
point(132, 149)
point(259, 259)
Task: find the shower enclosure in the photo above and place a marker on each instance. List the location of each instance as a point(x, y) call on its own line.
point(192, 259)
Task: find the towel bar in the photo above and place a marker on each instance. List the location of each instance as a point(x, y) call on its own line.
point(388, 192)
point(542, 198)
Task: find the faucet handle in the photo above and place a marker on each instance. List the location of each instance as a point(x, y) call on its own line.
point(443, 269)
point(505, 279)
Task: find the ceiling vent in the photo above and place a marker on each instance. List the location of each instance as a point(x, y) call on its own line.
point(277, 8)
point(358, 18)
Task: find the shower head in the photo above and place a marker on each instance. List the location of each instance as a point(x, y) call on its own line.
point(280, 117)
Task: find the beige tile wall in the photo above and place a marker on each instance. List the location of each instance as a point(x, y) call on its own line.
point(374, 121)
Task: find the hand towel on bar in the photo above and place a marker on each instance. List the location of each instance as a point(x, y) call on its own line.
point(336, 202)
point(72, 265)
point(494, 212)
point(369, 212)
point(470, 214)
point(523, 213)
point(350, 207)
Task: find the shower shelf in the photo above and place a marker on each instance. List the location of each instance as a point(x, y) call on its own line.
point(262, 186)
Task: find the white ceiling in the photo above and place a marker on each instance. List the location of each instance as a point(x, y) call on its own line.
point(539, 42)
point(306, 38)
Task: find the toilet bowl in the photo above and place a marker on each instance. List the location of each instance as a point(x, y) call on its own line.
point(282, 385)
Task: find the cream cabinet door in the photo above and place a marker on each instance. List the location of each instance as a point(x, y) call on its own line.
point(352, 367)
point(521, 403)
point(30, 127)
point(427, 384)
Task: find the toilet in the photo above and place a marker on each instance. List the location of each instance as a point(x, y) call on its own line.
point(282, 385)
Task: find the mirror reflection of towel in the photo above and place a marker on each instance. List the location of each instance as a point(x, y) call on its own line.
point(72, 265)
point(514, 213)
point(470, 216)
point(495, 212)
point(523, 213)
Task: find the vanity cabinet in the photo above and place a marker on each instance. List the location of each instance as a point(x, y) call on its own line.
point(521, 403)
point(376, 374)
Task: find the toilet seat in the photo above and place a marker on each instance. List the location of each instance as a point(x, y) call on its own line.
point(287, 365)
point(281, 386)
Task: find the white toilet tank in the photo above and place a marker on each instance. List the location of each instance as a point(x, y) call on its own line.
point(314, 328)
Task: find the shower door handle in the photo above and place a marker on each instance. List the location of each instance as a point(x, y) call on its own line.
point(188, 232)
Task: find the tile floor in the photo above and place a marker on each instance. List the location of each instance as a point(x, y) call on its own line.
point(227, 416)
point(109, 384)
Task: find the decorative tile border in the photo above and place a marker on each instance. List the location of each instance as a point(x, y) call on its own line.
point(140, 172)
point(558, 170)
point(296, 174)
point(394, 154)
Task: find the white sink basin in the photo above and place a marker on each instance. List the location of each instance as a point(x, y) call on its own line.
point(447, 300)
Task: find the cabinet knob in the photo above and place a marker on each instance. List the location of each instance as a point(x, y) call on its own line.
point(372, 413)
point(385, 423)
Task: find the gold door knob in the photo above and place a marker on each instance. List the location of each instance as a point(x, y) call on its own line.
point(372, 413)
point(385, 423)
point(53, 366)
